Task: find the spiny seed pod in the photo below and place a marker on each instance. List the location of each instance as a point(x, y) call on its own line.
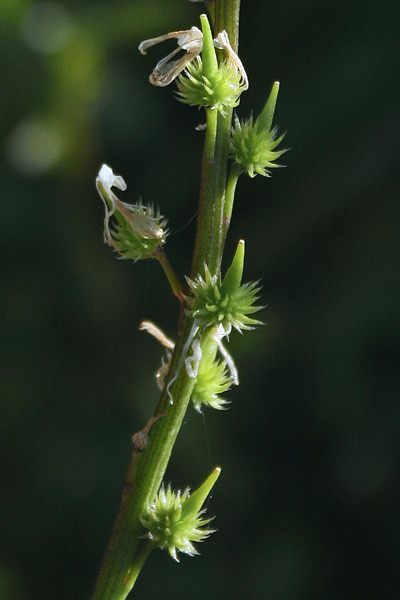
point(174, 520)
point(219, 92)
point(138, 233)
point(213, 377)
point(253, 145)
point(212, 380)
point(226, 303)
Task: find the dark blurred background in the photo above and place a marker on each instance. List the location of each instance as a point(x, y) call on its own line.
point(308, 501)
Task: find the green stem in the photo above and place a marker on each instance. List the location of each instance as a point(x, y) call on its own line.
point(172, 277)
point(210, 222)
point(221, 161)
point(139, 561)
point(225, 15)
point(230, 197)
point(205, 218)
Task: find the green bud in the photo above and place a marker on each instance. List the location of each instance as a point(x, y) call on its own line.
point(253, 145)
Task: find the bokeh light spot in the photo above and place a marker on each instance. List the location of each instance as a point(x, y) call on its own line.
point(35, 146)
point(47, 27)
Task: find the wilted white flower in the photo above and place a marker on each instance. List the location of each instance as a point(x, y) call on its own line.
point(222, 43)
point(165, 71)
point(190, 41)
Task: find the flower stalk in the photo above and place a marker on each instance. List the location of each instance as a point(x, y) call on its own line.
point(176, 286)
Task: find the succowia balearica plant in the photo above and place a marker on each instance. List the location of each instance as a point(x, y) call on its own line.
point(198, 367)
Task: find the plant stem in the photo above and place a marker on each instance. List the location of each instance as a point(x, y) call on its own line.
point(140, 559)
point(230, 197)
point(210, 222)
point(221, 159)
point(225, 15)
point(206, 215)
point(125, 554)
point(172, 277)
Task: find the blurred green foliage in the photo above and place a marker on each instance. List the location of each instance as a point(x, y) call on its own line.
point(310, 446)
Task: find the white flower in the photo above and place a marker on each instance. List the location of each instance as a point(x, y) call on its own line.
point(108, 180)
point(105, 180)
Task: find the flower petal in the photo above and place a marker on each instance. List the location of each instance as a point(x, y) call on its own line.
point(222, 43)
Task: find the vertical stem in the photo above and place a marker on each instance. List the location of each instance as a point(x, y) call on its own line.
point(221, 159)
point(211, 233)
point(225, 15)
point(205, 219)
